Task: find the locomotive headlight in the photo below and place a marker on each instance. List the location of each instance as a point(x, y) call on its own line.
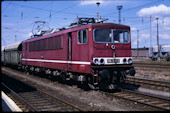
point(124, 60)
point(129, 60)
point(96, 61)
point(101, 61)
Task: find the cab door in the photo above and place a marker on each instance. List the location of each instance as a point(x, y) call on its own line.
point(80, 51)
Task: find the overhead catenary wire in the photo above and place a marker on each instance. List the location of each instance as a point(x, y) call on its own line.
point(59, 11)
point(6, 7)
point(19, 30)
point(36, 11)
point(136, 7)
point(43, 9)
point(53, 12)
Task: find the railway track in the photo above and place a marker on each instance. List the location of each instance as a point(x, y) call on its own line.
point(153, 66)
point(155, 102)
point(144, 99)
point(29, 98)
point(149, 83)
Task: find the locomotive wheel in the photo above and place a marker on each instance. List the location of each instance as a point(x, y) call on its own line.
point(93, 87)
point(122, 77)
point(105, 76)
point(90, 83)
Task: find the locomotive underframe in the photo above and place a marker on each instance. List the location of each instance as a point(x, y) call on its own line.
point(106, 75)
point(100, 76)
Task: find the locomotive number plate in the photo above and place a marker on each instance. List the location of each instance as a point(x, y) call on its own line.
point(113, 60)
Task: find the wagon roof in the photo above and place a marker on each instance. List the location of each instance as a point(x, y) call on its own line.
point(110, 25)
point(2, 48)
point(13, 46)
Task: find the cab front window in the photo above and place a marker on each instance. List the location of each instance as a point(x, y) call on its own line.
point(103, 35)
point(111, 36)
point(120, 36)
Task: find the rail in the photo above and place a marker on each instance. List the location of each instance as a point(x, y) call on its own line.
point(152, 65)
point(155, 102)
point(35, 99)
point(150, 83)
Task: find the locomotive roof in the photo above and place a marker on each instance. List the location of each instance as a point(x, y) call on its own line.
point(110, 26)
point(79, 27)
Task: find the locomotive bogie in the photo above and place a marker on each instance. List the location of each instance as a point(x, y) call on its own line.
point(64, 75)
point(111, 75)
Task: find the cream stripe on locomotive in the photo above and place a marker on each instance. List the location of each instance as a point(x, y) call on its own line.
point(58, 61)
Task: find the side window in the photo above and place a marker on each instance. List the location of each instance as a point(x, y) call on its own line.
point(40, 45)
point(82, 36)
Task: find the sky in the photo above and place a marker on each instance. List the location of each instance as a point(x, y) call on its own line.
point(18, 18)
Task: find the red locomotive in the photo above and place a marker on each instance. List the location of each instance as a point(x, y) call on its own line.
point(98, 54)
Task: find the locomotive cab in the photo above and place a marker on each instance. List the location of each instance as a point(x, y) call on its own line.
point(111, 57)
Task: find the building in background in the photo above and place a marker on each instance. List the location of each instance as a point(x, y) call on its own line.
point(153, 53)
point(140, 52)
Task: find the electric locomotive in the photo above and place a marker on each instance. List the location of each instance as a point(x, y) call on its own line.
point(93, 53)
